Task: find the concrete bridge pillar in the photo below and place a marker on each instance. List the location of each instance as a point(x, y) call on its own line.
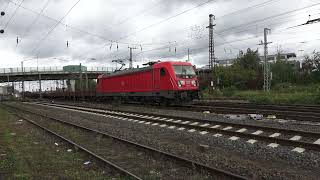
point(40, 87)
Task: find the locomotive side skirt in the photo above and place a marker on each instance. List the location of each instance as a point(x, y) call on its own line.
point(165, 94)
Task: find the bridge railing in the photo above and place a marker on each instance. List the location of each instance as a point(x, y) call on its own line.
point(51, 69)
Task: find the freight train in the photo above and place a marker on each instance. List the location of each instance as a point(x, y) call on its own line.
point(158, 82)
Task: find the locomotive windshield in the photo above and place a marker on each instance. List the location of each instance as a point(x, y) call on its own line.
point(183, 71)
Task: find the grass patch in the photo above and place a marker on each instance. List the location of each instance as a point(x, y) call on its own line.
point(27, 152)
point(280, 94)
point(277, 98)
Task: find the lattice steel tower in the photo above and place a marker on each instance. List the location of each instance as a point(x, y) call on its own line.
point(211, 42)
point(266, 64)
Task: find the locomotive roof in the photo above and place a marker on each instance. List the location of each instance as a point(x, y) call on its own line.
point(129, 71)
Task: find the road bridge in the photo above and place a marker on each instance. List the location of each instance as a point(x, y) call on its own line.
point(49, 73)
point(40, 74)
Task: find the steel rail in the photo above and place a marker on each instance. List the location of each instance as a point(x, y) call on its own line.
point(182, 159)
point(298, 112)
point(295, 115)
point(300, 106)
point(282, 141)
point(123, 171)
point(249, 126)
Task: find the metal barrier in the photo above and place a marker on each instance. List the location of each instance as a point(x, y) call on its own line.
point(58, 69)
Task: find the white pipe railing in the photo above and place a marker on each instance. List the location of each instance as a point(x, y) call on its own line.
point(51, 69)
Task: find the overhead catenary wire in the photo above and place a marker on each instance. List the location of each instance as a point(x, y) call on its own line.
point(139, 13)
point(12, 16)
point(261, 5)
point(179, 48)
point(267, 18)
point(197, 6)
point(76, 28)
point(27, 30)
point(52, 29)
point(220, 44)
point(166, 19)
point(264, 2)
point(4, 10)
point(233, 13)
point(160, 22)
point(239, 32)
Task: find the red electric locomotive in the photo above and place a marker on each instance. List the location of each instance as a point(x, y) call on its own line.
point(161, 81)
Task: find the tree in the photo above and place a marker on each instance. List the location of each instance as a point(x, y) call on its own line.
point(312, 63)
point(307, 65)
point(246, 69)
point(249, 60)
point(235, 75)
point(282, 71)
point(316, 60)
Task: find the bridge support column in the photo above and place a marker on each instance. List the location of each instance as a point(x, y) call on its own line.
point(22, 85)
point(40, 88)
point(87, 83)
point(22, 82)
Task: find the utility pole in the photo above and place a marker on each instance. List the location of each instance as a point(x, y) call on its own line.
point(211, 42)
point(188, 55)
point(130, 59)
point(80, 84)
point(22, 82)
point(266, 64)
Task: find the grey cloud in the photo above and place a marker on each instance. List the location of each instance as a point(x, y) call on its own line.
point(113, 19)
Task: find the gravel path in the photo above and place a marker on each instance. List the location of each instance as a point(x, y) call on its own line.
point(254, 161)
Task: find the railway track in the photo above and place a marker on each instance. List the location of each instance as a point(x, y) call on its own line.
point(82, 148)
point(299, 141)
point(295, 112)
point(185, 162)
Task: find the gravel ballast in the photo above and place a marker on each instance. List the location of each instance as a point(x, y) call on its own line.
point(254, 161)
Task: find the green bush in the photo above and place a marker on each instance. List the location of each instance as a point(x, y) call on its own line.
point(282, 87)
point(229, 91)
point(210, 93)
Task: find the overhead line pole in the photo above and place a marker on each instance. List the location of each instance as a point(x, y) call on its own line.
point(130, 59)
point(211, 49)
point(211, 42)
point(266, 64)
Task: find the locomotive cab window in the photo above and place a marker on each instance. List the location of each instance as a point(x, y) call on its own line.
point(184, 71)
point(162, 72)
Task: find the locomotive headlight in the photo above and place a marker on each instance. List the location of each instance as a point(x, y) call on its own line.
point(181, 83)
point(194, 83)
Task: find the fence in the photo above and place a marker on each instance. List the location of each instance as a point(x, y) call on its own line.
point(51, 69)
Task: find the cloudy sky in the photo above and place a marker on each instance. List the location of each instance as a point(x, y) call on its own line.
point(99, 31)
